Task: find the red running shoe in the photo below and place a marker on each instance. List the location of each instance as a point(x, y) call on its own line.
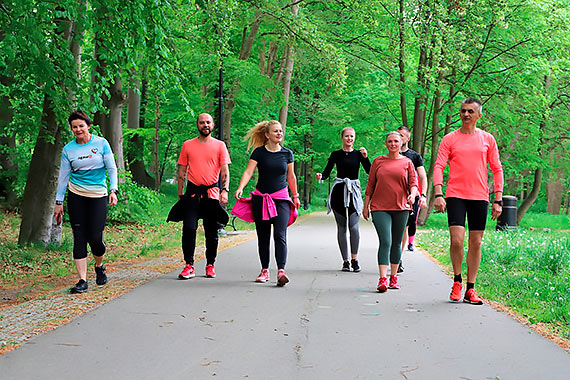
point(472, 298)
point(263, 276)
point(382, 284)
point(187, 272)
point(394, 282)
point(210, 271)
point(282, 278)
point(455, 294)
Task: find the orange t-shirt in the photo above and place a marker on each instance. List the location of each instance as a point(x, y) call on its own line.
point(389, 183)
point(204, 161)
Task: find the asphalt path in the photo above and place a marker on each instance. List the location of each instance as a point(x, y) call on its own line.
point(325, 324)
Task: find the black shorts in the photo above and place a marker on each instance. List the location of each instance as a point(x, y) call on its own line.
point(476, 211)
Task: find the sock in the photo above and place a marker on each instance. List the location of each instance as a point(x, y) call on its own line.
point(470, 285)
point(411, 239)
point(457, 278)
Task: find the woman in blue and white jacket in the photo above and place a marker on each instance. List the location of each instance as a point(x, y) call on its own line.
point(85, 161)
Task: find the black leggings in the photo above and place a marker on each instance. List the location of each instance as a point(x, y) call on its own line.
point(205, 209)
point(87, 217)
point(263, 228)
point(413, 219)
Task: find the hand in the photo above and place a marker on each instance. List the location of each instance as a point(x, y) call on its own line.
point(223, 197)
point(318, 176)
point(411, 199)
point(365, 213)
point(58, 213)
point(423, 202)
point(364, 152)
point(113, 199)
point(296, 202)
point(238, 193)
point(180, 196)
point(496, 211)
point(440, 204)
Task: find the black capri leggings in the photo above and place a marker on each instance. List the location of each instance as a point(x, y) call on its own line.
point(263, 228)
point(87, 217)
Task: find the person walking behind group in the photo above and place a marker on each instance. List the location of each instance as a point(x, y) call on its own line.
point(420, 202)
point(468, 150)
point(270, 203)
point(345, 198)
point(85, 162)
point(201, 161)
point(392, 189)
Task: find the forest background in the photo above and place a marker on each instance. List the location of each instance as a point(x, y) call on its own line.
point(145, 68)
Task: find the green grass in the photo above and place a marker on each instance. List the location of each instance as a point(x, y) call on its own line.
point(528, 271)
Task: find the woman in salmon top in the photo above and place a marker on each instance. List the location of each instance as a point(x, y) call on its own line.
point(392, 189)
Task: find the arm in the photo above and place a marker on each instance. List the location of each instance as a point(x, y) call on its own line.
point(327, 172)
point(424, 185)
point(364, 160)
point(182, 173)
point(439, 202)
point(225, 169)
point(413, 181)
point(64, 173)
point(366, 208)
point(438, 167)
point(369, 190)
point(246, 176)
point(498, 179)
point(292, 181)
point(109, 162)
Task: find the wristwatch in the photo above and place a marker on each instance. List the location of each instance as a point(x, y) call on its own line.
point(58, 203)
point(423, 195)
point(500, 202)
point(225, 189)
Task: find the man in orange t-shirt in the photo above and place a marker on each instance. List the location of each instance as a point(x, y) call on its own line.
point(469, 150)
point(201, 161)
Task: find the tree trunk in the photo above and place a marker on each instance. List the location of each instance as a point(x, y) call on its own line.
point(8, 162)
point(402, 65)
point(41, 184)
point(114, 126)
point(554, 192)
point(420, 104)
point(156, 140)
point(531, 197)
point(136, 146)
point(288, 73)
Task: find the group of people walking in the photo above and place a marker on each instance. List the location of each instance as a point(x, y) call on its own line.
point(395, 192)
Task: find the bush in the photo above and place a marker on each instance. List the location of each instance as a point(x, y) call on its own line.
point(136, 203)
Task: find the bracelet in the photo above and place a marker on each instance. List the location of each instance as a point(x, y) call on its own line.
point(59, 203)
point(500, 203)
point(295, 196)
point(439, 196)
point(225, 189)
point(423, 195)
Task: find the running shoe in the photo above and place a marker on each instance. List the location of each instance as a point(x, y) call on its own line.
point(472, 298)
point(382, 284)
point(346, 266)
point(282, 278)
point(355, 266)
point(401, 267)
point(101, 277)
point(80, 287)
point(394, 282)
point(455, 295)
point(187, 272)
point(410, 247)
point(263, 276)
point(210, 273)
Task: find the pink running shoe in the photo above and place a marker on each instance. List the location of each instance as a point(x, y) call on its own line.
point(263, 276)
point(382, 284)
point(282, 278)
point(455, 294)
point(394, 282)
point(210, 271)
point(472, 298)
point(187, 272)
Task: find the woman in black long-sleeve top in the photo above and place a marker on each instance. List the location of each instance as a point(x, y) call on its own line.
point(345, 199)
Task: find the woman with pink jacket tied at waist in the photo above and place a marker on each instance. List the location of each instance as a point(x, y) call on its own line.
point(270, 203)
point(468, 150)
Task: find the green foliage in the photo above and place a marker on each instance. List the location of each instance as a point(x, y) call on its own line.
point(136, 204)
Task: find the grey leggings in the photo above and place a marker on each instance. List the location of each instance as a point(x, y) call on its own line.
point(390, 227)
point(353, 219)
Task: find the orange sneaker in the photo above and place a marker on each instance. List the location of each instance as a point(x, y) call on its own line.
point(263, 276)
point(472, 298)
point(187, 272)
point(282, 278)
point(455, 295)
point(394, 282)
point(210, 273)
point(382, 284)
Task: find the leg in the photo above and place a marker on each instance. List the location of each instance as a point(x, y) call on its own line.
point(97, 210)
point(189, 227)
point(76, 208)
point(263, 229)
point(456, 250)
point(210, 224)
point(341, 222)
point(383, 224)
point(399, 222)
point(353, 221)
point(474, 255)
point(280, 232)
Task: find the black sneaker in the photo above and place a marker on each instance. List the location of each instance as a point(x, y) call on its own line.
point(101, 276)
point(401, 267)
point(355, 266)
point(346, 266)
point(411, 247)
point(80, 287)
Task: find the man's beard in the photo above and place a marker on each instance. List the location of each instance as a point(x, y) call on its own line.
point(203, 134)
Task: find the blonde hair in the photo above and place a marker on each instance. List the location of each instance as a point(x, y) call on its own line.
point(346, 129)
point(256, 136)
point(394, 133)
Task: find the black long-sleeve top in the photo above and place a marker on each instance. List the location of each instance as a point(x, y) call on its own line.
point(347, 164)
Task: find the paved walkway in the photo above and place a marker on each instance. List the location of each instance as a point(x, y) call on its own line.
point(325, 324)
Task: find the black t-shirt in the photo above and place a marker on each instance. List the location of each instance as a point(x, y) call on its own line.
point(347, 164)
point(417, 160)
point(272, 168)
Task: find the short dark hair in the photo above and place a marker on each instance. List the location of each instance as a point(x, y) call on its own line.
point(473, 101)
point(404, 128)
point(79, 115)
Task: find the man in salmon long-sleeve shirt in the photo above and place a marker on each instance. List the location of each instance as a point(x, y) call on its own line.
point(468, 150)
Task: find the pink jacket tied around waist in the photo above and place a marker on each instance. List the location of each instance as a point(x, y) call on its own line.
point(243, 208)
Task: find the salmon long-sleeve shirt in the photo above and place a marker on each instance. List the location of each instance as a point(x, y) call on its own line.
point(468, 155)
point(390, 182)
